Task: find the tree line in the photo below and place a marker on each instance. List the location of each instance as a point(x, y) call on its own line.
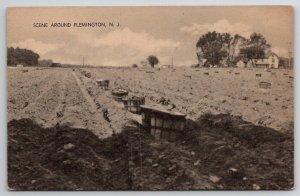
point(25, 57)
point(223, 49)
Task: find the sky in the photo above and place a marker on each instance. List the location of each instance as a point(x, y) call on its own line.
point(138, 32)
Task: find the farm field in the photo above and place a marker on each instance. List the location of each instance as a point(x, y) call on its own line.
point(57, 128)
point(195, 93)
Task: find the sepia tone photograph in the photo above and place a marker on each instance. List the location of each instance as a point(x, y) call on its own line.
point(150, 98)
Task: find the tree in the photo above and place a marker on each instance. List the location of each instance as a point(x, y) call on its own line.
point(45, 62)
point(256, 48)
point(153, 60)
point(236, 43)
point(213, 47)
point(21, 56)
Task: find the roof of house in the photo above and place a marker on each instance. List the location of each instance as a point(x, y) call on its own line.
point(272, 53)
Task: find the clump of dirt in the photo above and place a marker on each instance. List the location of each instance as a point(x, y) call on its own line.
point(242, 155)
point(61, 158)
point(215, 152)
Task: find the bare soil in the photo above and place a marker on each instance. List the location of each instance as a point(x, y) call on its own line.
point(238, 136)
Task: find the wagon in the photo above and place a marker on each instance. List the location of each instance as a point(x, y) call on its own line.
point(265, 85)
point(103, 83)
point(119, 94)
point(133, 103)
point(162, 123)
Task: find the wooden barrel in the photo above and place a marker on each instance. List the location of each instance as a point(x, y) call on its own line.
point(162, 124)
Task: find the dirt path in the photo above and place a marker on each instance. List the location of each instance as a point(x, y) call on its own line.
point(117, 114)
point(80, 109)
point(85, 93)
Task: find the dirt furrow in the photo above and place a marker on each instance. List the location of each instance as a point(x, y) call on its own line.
point(80, 111)
point(43, 108)
point(24, 93)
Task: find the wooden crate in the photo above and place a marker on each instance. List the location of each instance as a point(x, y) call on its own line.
point(265, 85)
point(103, 83)
point(133, 104)
point(161, 123)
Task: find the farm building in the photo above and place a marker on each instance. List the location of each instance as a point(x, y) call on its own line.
point(167, 66)
point(272, 61)
point(55, 65)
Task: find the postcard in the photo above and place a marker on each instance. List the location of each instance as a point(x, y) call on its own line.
point(150, 98)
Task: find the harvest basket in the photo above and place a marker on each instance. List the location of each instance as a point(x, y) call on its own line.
point(132, 104)
point(161, 123)
point(103, 83)
point(119, 94)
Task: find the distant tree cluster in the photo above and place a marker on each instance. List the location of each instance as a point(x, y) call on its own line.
point(152, 60)
point(223, 49)
point(25, 57)
point(45, 62)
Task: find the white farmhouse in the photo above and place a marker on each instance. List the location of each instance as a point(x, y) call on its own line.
point(272, 61)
